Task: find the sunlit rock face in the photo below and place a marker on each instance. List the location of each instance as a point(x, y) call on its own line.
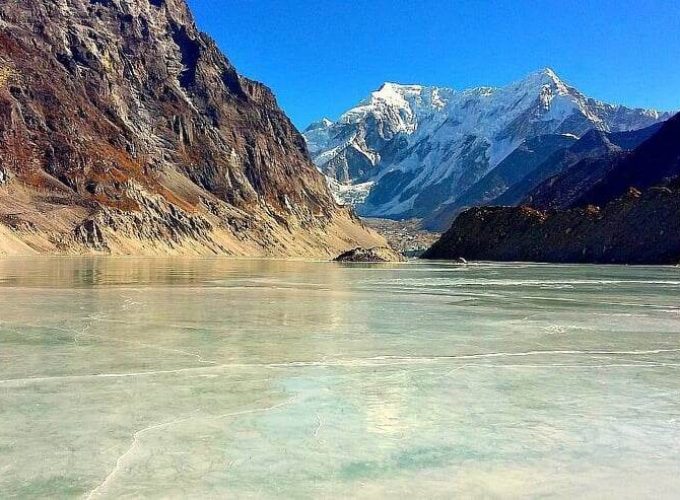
point(117, 112)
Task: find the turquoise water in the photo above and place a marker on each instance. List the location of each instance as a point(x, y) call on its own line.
point(181, 378)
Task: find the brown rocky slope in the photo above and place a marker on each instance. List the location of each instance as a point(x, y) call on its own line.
point(124, 130)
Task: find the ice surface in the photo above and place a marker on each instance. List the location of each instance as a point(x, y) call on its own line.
point(217, 378)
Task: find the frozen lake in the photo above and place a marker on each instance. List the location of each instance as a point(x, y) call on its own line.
point(214, 378)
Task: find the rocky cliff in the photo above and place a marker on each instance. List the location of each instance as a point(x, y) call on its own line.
point(123, 129)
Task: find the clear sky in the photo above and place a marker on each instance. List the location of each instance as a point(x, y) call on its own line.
point(322, 56)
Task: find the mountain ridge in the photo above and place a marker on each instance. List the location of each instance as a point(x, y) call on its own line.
point(421, 147)
point(593, 145)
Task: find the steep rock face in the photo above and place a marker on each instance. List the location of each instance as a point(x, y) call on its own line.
point(638, 226)
point(409, 149)
point(124, 129)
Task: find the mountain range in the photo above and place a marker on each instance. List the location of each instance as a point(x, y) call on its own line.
point(124, 130)
point(411, 151)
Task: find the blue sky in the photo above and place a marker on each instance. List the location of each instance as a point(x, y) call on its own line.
point(322, 56)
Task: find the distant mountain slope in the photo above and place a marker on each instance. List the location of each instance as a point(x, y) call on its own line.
point(419, 148)
point(654, 162)
point(517, 165)
point(561, 190)
point(595, 146)
point(123, 129)
point(637, 219)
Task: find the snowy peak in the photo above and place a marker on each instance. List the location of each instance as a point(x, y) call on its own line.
point(398, 105)
point(550, 73)
point(409, 96)
point(544, 76)
point(321, 124)
point(419, 147)
point(388, 89)
point(403, 104)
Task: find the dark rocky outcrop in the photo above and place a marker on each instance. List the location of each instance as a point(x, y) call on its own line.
point(530, 174)
point(654, 162)
point(598, 180)
point(635, 229)
point(370, 255)
point(562, 190)
point(120, 113)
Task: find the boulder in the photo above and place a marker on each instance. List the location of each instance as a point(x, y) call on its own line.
point(371, 255)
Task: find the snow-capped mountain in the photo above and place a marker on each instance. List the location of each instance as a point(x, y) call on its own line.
point(350, 149)
point(408, 149)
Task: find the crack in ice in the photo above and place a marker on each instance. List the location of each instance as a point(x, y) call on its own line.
point(319, 425)
point(83, 332)
point(120, 463)
point(76, 378)
point(371, 361)
point(529, 353)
